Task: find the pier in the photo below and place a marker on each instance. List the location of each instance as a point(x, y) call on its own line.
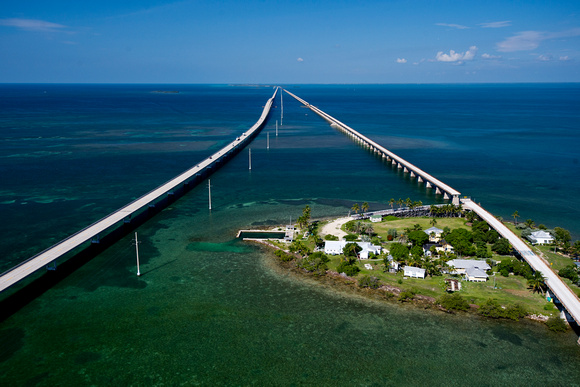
point(124, 214)
point(563, 293)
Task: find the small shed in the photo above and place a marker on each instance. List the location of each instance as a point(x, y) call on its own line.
point(413, 272)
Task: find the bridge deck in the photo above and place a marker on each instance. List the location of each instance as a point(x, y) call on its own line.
point(42, 259)
point(416, 170)
point(564, 294)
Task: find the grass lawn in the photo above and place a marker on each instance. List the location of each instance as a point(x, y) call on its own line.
point(509, 290)
point(382, 228)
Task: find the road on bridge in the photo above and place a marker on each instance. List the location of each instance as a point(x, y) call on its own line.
point(564, 294)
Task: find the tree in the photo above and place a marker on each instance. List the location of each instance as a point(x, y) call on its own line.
point(350, 252)
point(453, 302)
point(433, 222)
point(365, 207)
point(400, 202)
point(516, 216)
point(562, 235)
point(305, 217)
point(537, 283)
point(529, 223)
point(418, 238)
point(501, 247)
point(392, 202)
point(355, 208)
point(569, 272)
point(399, 251)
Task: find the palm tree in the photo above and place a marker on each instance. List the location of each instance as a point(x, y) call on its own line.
point(365, 207)
point(355, 208)
point(529, 223)
point(433, 222)
point(516, 216)
point(400, 203)
point(392, 202)
point(408, 202)
point(537, 283)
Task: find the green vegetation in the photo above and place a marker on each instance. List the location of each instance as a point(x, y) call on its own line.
point(556, 324)
point(453, 302)
point(367, 281)
point(284, 257)
point(493, 309)
point(314, 263)
point(407, 295)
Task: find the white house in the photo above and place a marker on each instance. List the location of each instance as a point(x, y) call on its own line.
point(413, 272)
point(540, 238)
point(335, 248)
point(376, 218)
point(475, 275)
point(434, 234)
point(474, 269)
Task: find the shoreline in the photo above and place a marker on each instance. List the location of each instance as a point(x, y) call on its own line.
point(346, 285)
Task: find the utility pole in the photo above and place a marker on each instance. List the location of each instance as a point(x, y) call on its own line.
point(250, 157)
point(282, 110)
point(268, 140)
point(209, 191)
point(276, 128)
point(137, 253)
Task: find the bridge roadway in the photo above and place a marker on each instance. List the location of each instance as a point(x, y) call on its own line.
point(562, 292)
point(42, 259)
point(414, 171)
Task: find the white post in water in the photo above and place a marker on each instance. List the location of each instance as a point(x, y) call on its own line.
point(268, 140)
point(137, 252)
point(250, 157)
point(209, 191)
point(282, 110)
point(276, 128)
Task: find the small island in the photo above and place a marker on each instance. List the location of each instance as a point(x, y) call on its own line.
point(436, 257)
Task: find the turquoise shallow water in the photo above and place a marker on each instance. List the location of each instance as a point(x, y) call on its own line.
point(212, 310)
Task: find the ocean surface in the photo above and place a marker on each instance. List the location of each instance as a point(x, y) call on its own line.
point(211, 310)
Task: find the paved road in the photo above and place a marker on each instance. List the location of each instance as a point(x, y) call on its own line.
point(564, 294)
point(44, 258)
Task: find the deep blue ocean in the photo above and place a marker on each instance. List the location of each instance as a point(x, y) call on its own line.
point(212, 310)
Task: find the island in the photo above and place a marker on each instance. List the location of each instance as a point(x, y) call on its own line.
point(440, 257)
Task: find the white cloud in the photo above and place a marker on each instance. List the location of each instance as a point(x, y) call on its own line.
point(545, 58)
point(401, 60)
point(488, 56)
point(458, 26)
point(565, 58)
point(499, 24)
point(522, 41)
point(31, 24)
point(456, 56)
point(300, 60)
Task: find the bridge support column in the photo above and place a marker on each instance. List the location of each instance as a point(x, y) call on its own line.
point(405, 170)
point(437, 191)
point(428, 185)
point(412, 174)
point(394, 162)
point(445, 196)
point(455, 200)
point(399, 166)
point(420, 179)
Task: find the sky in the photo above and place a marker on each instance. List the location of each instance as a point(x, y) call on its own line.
point(286, 42)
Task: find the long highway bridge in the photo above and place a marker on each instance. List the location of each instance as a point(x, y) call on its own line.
point(124, 214)
point(563, 293)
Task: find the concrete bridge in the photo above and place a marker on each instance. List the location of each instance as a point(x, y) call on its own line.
point(123, 215)
point(415, 172)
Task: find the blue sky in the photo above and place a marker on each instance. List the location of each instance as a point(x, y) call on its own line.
point(154, 41)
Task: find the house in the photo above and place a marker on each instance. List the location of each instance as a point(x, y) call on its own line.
point(461, 265)
point(446, 247)
point(473, 269)
point(427, 248)
point(540, 237)
point(475, 275)
point(376, 218)
point(434, 234)
point(394, 265)
point(335, 248)
point(413, 272)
